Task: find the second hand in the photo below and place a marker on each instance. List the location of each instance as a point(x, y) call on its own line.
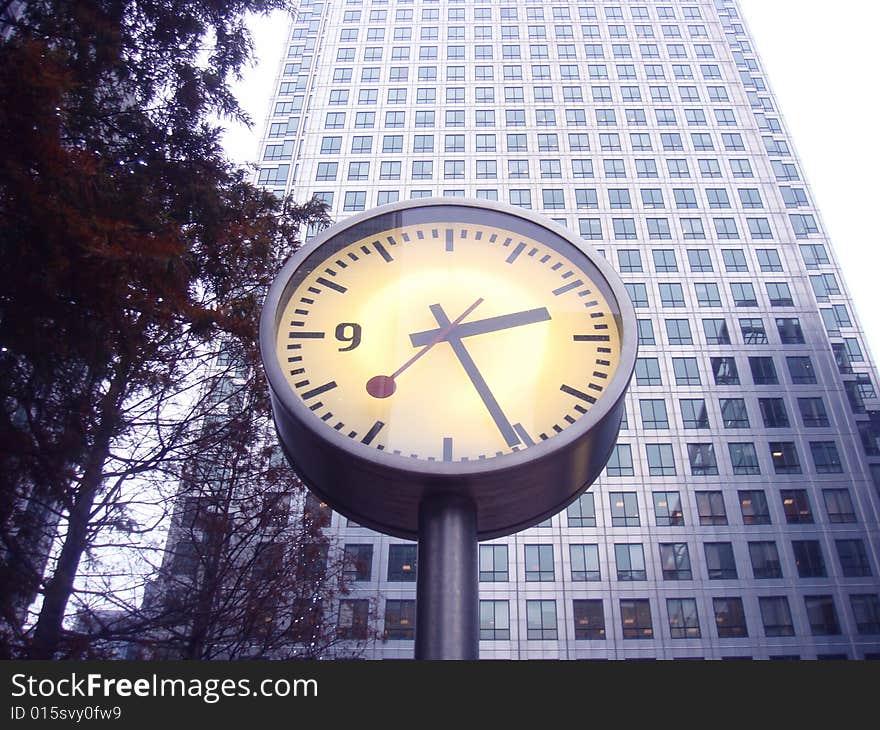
point(382, 386)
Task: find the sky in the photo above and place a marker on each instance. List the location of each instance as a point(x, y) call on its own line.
point(820, 60)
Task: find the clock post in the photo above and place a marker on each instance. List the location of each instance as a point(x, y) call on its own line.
point(447, 593)
point(447, 371)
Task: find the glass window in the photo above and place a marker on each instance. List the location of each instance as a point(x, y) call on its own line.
point(763, 371)
point(661, 461)
point(808, 558)
point(353, 618)
point(785, 457)
point(776, 616)
point(744, 458)
point(582, 512)
point(654, 414)
point(826, 458)
point(765, 559)
point(853, 558)
point(357, 562)
point(702, 459)
point(675, 561)
point(693, 413)
point(839, 505)
point(624, 509)
point(635, 618)
point(730, 618)
point(796, 505)
point(630, 560)
point(684, 622)
point(541, 620)
point(866, 612)
point(720, 562)
point(402, 563)
point(584, 563)
point(493, 564)
point(620, 463)
point(754, 507)
point(539, 563)
point(822, 615)
point(400, 619)
point(589, 619)
point(494, 621)
point(667, 509)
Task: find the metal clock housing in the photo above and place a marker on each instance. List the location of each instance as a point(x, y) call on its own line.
point(525, 477)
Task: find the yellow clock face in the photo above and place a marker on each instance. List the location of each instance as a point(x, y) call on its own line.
point(448, 341)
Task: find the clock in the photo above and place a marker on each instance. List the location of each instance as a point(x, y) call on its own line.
point(447, 346)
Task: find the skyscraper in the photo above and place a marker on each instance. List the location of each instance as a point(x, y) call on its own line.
point(738, 515)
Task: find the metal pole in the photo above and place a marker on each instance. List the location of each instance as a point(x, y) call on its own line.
point(447, 595)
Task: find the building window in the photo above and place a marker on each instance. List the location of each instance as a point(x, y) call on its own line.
point(402, 563)
point(754, 507)
point(624, 509)
point(400, 619)
point(839, 505)
point(358, 562)
point(539, 563)
point(494, 621)
point(693, 413)
point(541, 620)
point(720, 562)
point(763, 371)
point(853, 558)
point(684, 622)
point(675, 561)
point(765, 560)
point(866, 612)
point(773, 412)
point(808, 558)
point(785, 458)
point(679, 332)
point(630, 559)
point(584, 563)
point(730, 618)
point(686, 371)
point(702, 459)
point(710, 508)
point(801, 370)
point(493, 564)
point(743, 458)
point(635, 618)
point(822, 615)
point(620, 463)
point(716, 332)
point(355, 200)
point(589, 620)
point(353, 618)
point(826, 458)
point(796, 505)
point(582, 512)
point(776, 616)
point(667, 509)
point(661, 461)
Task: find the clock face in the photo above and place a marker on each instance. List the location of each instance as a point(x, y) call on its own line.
point(448, 338)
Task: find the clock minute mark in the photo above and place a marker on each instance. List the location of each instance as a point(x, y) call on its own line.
point(568, 287)
point(514, 255)
point(371, 434)
point(317, 391)
point(447, 448)
point(301, 312)
point(599, 374)
point(352, 434)
point(383, 252)
point(596, 315)
point(331, 285)
point(306, 335)
point(366, 250)
point(591, 338)
point(606, 350)
point(577, 393)
point(391, 241)
point(306, 300)
point(523, 434)
point(606, 363)
point(450, 239)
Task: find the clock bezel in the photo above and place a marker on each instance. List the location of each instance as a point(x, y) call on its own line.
point(382, 490)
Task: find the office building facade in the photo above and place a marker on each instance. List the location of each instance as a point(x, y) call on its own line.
point(738, 515)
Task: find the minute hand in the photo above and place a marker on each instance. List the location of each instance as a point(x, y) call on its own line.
point(483, 326)
point(476, 378)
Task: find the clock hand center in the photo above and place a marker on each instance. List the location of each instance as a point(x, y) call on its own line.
point(382, 386)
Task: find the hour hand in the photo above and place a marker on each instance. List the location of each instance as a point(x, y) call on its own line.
point(483, 326)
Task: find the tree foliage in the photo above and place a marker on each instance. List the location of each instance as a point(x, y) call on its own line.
point(129, 248)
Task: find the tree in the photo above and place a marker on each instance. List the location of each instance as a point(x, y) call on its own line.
point(130, 250)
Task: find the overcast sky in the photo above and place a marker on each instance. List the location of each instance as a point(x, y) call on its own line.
point(822, 63)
